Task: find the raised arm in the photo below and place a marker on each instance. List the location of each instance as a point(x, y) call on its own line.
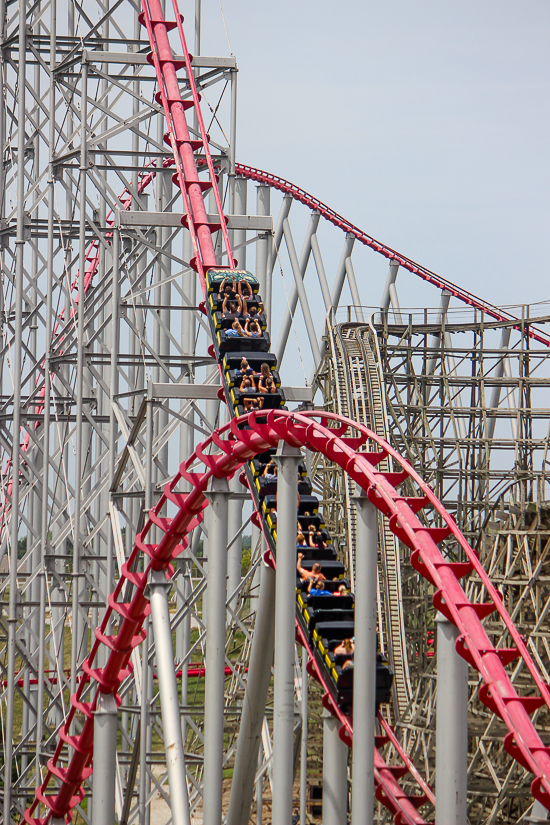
point(301, 571)
point(222, 287)
point(248, 289)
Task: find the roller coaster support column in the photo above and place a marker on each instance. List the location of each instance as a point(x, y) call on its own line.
point(17, 348)
point(303, 749)
point(335, 773)
point(235, 550)
point(169, 701)
point(239, 235)
point(498, 373)
point(364, 675)
point(451, 728)
point(390, 281)
point(288, 459)
point(105, 734)
point(263, 251)
point(255, 696)
point(218, 495)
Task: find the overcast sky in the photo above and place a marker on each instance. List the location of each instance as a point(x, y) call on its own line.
point(424, 123)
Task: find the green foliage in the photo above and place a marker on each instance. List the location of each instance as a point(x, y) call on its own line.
point(247, 555)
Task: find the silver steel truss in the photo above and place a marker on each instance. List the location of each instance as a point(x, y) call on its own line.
point(467, 400)
point(107, 380)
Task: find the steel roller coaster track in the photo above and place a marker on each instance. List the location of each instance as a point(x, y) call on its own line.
point(323, 433)
point(326, 434)
point(367, 240)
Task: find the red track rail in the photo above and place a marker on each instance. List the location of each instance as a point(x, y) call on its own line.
point(325, 434)
point(417, 269)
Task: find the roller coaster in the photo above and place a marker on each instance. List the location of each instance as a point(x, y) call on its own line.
point(153, 669)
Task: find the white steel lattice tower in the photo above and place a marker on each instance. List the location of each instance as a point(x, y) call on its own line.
point(103, 349)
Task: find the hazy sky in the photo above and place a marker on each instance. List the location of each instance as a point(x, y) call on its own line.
point(424, 123)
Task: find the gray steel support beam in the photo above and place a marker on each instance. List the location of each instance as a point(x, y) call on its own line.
point(337, 288)
point(235, 550)
point(105, 736)
point(364, 675)
point(16, 366)
point(255, 537)
point(232, 139)
point(460, 428)
point(278, 231)
point(288, 459)
point(498, 373)
point(114, 343)
point(241, 222)
point(239, 235)
point(392, 275)
point(139, 59)
point(80, 366)
point(321, 274)
point(255, 697)
point(303, 745)
point(356, 298)
point(218, 495)
point(183, 630)
point(198, 19)
point(263, 251)
point(341, 271)
point(298, 290)
point(169, 702)
point(205, 527)
point(47, 411)
point(451, 728)
point(144, 723)
point(435, 342)
point(395, 304)
point(335, 774)
point(259, 787)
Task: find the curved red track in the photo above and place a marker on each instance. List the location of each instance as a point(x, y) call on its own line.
point(367, 240)
point(326, 434)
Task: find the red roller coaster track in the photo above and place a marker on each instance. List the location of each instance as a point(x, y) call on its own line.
point(417, 269)
point(325, 434)
point(321, 433)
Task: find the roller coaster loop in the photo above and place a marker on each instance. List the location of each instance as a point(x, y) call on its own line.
point(326, 434)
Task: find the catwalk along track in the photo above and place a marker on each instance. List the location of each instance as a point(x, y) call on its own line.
point(356, 449)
